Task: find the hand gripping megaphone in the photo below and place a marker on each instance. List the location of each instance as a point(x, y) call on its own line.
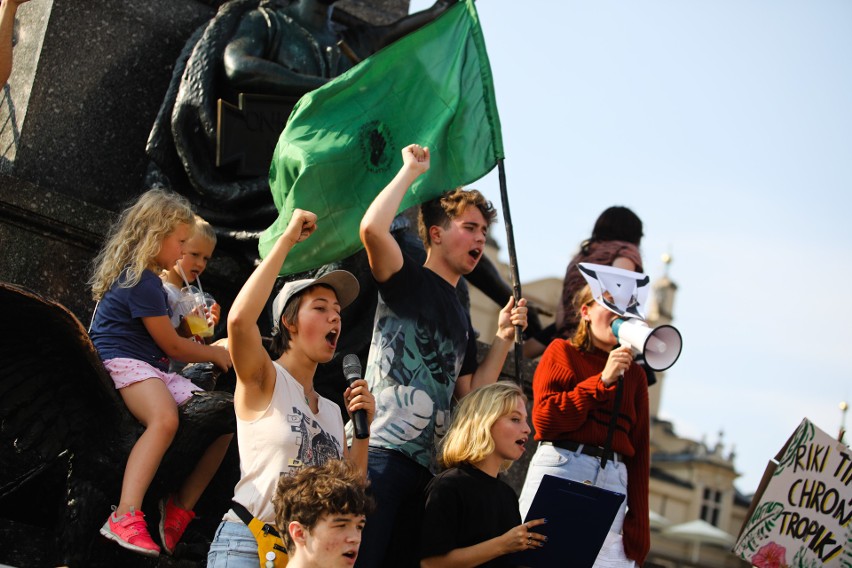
point(660, 346)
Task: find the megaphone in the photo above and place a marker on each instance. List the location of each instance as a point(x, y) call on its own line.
point(661, 345)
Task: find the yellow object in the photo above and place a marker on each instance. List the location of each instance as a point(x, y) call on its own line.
point(198, 325)
point(270, 547)
point(208, 332)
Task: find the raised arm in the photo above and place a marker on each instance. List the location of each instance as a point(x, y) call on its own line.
point(489, 370)
point(255, 373)
point(383, 252)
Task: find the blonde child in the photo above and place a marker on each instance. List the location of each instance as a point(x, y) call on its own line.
point(135, 339)
point(197, 252)
point(472, 517)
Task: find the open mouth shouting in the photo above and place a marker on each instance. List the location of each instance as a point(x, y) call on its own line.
point(351, 555)
point(475, 253)
point(522, 443)
point(332, 337)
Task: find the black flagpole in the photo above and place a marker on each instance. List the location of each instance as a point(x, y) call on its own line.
point(513, 266)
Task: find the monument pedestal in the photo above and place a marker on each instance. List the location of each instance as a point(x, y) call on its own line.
point(87, 82)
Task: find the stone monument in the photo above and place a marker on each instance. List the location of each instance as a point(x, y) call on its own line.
point(88, 84)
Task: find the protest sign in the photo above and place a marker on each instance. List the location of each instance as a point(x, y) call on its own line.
point(800, 515)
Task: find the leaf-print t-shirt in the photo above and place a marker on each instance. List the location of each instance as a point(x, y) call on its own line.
point(422, 342)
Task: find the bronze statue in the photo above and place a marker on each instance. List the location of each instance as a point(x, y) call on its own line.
point(275, 48)
point(283, 48)
point(271, 47)
point(66, 433)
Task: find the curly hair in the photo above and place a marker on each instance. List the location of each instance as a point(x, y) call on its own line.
point(136, 237)
point(469, 437)
point(334, 488)
point(441, 210)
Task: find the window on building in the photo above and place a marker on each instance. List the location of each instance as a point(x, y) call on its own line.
point(710, 506)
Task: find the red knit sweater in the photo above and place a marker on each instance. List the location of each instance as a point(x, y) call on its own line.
point(570, 402)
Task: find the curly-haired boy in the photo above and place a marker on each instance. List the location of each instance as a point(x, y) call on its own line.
point(320, 513)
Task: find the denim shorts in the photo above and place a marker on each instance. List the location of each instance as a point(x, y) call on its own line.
point(233, 546)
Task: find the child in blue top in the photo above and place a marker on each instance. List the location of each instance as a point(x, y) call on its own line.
point(135, 339)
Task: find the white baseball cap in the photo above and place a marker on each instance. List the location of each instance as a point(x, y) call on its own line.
point(344, 284)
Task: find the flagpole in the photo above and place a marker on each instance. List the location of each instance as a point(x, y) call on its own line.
point(513, 266)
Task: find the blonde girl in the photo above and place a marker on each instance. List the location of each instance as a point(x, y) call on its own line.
point(472, 517)
point(135, 339)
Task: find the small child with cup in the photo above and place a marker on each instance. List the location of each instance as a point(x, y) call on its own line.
point(195, 314)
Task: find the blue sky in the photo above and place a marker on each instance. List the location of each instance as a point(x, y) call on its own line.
point(727, 127)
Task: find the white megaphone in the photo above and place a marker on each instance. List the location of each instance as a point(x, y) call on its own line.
point(660, 346)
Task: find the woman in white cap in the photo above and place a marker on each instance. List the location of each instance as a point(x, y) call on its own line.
point(282, 423)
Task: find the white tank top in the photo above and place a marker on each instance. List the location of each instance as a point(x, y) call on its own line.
point(286, 437)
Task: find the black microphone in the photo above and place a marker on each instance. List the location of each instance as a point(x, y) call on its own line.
point(352, 372)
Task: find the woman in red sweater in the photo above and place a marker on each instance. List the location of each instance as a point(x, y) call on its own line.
point(574, 414)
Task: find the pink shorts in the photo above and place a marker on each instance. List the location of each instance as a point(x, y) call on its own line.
point(125, 372)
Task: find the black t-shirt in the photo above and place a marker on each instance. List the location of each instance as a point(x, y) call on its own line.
point(466, 506)
point(422, 342)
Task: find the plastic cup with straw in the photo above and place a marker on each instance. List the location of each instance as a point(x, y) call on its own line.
point(207, 302)
point(196, 314)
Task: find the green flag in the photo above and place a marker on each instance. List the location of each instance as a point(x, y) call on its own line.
point(342, 143)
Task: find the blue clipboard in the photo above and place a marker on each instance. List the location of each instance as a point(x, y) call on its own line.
point(578, 519)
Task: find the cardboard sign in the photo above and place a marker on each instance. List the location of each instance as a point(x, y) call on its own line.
point(801, 515)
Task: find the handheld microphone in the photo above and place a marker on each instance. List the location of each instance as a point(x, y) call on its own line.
point(352, 372)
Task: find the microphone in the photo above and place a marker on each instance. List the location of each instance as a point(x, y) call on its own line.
point(352, 372)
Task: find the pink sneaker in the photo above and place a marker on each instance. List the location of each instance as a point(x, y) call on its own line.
point(173, 521)
point(131, 531)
